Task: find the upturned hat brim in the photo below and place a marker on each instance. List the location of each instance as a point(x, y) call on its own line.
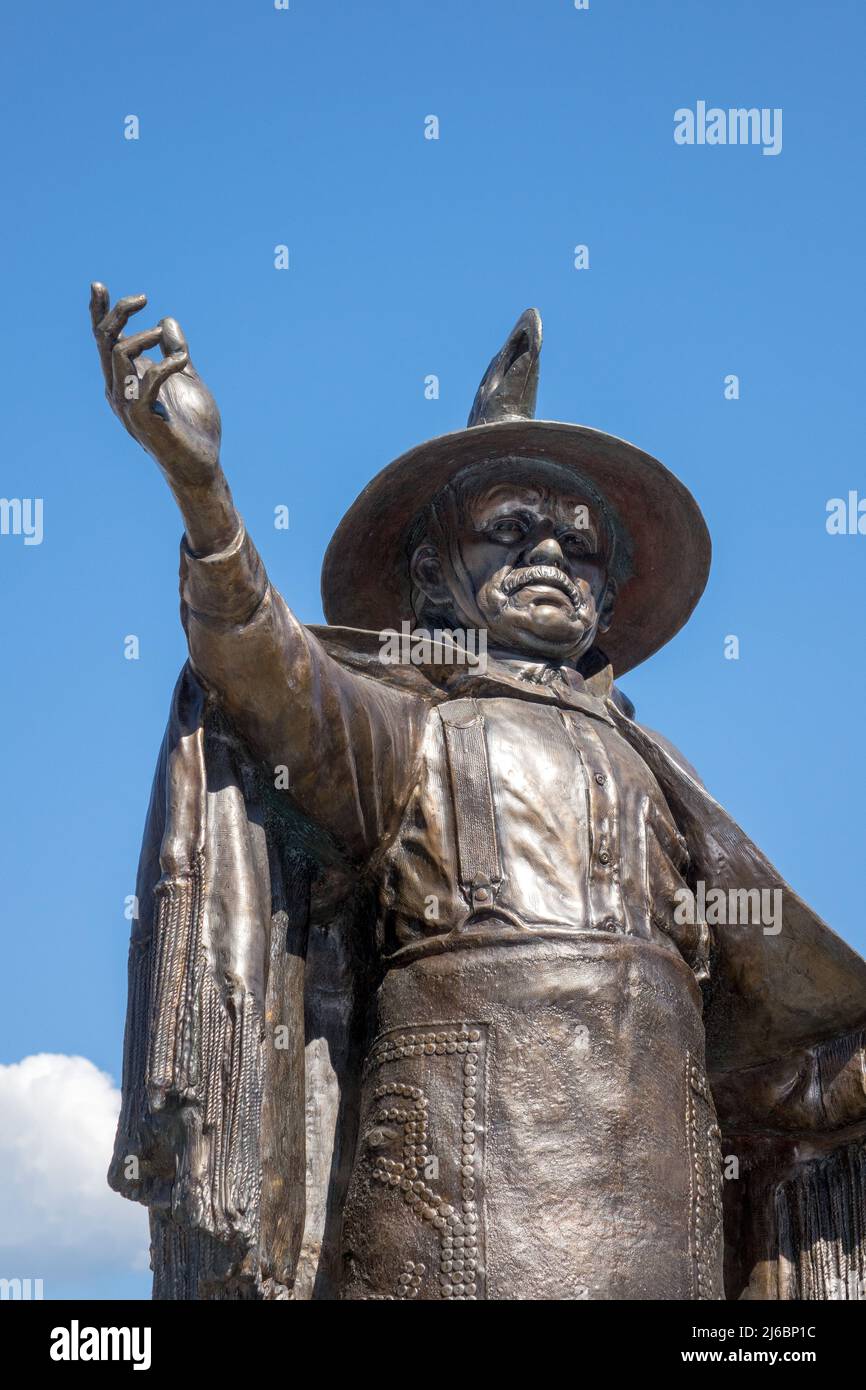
point(365, 576)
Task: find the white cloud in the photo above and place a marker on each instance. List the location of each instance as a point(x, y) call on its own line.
point(58, 1216)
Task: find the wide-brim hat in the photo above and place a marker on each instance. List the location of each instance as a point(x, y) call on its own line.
point(365, 575)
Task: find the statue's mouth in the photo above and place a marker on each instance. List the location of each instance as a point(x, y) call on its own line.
point(543, 576)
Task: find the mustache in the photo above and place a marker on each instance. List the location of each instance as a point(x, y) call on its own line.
point(542, 574)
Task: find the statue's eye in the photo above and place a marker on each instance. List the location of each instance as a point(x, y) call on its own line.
point(576, 543)
point(508, 530)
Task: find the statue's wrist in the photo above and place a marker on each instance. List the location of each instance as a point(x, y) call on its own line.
point(210, 520)
point(211, 535)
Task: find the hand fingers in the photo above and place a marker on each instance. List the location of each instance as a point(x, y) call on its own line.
point(110, 327)
point(107, 324)
point(159, 372)
point(138, 342)
point(99, 302)
point(126, 350)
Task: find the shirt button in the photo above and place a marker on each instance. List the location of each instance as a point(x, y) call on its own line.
point(600, 778)
point(604, 857)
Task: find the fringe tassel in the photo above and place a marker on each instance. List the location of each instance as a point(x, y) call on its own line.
point(821, 1222)
point(192, 1102)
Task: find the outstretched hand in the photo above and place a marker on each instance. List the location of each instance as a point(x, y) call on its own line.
point(164, 404)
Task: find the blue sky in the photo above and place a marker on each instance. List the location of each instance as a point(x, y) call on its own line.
point(409, 257)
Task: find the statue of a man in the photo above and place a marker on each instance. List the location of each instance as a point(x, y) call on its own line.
point(446, 970)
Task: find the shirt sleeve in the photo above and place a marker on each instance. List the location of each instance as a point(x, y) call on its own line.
point(347, 743)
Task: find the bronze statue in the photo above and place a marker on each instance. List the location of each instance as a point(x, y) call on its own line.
point(450, 980)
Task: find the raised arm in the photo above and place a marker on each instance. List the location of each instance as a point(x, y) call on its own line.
point(347, 744)
point(168, 409)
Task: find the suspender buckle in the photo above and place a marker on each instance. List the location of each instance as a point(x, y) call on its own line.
point(482, 891)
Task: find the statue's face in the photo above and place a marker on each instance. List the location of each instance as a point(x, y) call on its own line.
point(529, 562)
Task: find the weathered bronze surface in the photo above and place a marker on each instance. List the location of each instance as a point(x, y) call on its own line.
point(451, 980)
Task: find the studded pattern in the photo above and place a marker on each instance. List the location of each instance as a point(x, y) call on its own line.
point(704, 1138)
point(407, 1285)
point(454, 1218)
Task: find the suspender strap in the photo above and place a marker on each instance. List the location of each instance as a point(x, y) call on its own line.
point(479, 866)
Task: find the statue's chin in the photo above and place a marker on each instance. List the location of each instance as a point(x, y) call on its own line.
point(541, 631)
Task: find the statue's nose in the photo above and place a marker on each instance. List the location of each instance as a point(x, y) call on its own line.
point(547, 552)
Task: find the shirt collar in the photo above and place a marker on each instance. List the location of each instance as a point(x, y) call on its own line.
point(542, 681)
point(540, 672)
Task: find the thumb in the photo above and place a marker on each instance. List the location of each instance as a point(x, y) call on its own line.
point(173, 339)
